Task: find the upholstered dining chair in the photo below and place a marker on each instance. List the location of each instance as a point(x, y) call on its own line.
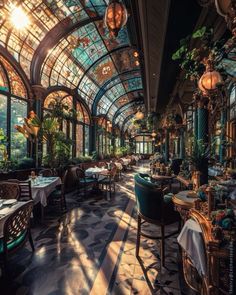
point(154, 208)
point(83, 182)
point(16, 232)
point(9, 190)
point(59, 193)
point(109, 179)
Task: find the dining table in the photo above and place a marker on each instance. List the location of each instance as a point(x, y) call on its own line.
point(41, 188)
point(97, 172)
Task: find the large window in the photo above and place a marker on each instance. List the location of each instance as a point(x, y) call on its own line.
point(76, 125)
point(13, 109)
point(143, 145)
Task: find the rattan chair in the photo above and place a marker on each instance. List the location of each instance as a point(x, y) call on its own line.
point(9, 190)
point(109, 180)
point(25, 189)
point(59, 193)
point(16, 232)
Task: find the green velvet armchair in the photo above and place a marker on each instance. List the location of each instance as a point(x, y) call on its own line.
point(155, 208)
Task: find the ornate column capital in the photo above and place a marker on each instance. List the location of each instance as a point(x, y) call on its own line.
point(39, 92)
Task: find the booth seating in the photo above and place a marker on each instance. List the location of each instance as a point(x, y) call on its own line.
point(155, 208)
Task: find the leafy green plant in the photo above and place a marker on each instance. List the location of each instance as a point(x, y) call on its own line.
point(192, 58)
point(200, 155)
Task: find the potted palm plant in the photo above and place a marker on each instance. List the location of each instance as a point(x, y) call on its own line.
point(200, 158)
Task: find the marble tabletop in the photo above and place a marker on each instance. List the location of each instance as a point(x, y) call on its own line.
point(185, 198)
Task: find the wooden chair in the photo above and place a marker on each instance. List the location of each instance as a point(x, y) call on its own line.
point(16, 232)
point(59, 193)
point(25, 189)
point(153, 208)
point(9, 190)
point(109, 181)
point(84, 182)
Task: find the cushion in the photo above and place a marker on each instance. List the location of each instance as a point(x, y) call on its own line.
point(87, 180)
point(168, 198)
point(56, 194)
point(14, 243)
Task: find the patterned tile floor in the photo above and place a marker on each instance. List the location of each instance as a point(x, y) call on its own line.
point(91, 250)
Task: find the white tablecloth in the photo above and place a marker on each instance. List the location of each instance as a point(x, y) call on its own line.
point(126, 161)
point(41, 191)
point(191, 240)
point(119, 165)
point(5, 212)
point(96, 171)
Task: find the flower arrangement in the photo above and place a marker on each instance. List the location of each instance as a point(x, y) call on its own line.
point(223, 218)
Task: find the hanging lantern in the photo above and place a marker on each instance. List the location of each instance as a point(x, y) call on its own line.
point(209, 80)
point(115, 17)
point(139, 115)
point(153, 134)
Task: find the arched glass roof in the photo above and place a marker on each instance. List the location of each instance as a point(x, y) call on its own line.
point(75, 50)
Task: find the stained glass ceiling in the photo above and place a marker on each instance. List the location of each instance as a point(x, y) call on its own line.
point(85, 58)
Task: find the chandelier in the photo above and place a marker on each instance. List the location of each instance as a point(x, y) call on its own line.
point(115, 17)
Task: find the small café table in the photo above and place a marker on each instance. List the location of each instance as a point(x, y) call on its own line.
point(184, 201)
point(97, 172)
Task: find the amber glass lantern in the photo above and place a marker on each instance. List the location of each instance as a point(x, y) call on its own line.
point(209, 80)
point(139, 115)
point(115, 17)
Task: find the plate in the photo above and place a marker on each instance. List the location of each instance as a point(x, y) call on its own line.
point(9, 202)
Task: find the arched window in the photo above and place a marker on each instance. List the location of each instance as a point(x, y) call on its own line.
point(74, 122)
point(103, 133)
point(13, 109)
point(143, 144)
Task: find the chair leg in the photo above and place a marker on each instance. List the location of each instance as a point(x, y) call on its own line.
point(138, 236)
point(163, 245)
point(31, 241)
point(110, 189)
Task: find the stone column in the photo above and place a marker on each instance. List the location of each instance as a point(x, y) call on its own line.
point(39, 93)
point(202, 114)
point(93, 135)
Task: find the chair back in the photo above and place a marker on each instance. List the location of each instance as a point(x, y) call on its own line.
point(149, 198)
point(17, 222)
point(25, 189)
point(80, 173)
point(9, 190)
point(46, 172)
point(101, 164)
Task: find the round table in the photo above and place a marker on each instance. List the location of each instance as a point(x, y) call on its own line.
point(183, 202)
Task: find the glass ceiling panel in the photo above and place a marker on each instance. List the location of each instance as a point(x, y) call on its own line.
point(43, 16)
point(88, 90)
